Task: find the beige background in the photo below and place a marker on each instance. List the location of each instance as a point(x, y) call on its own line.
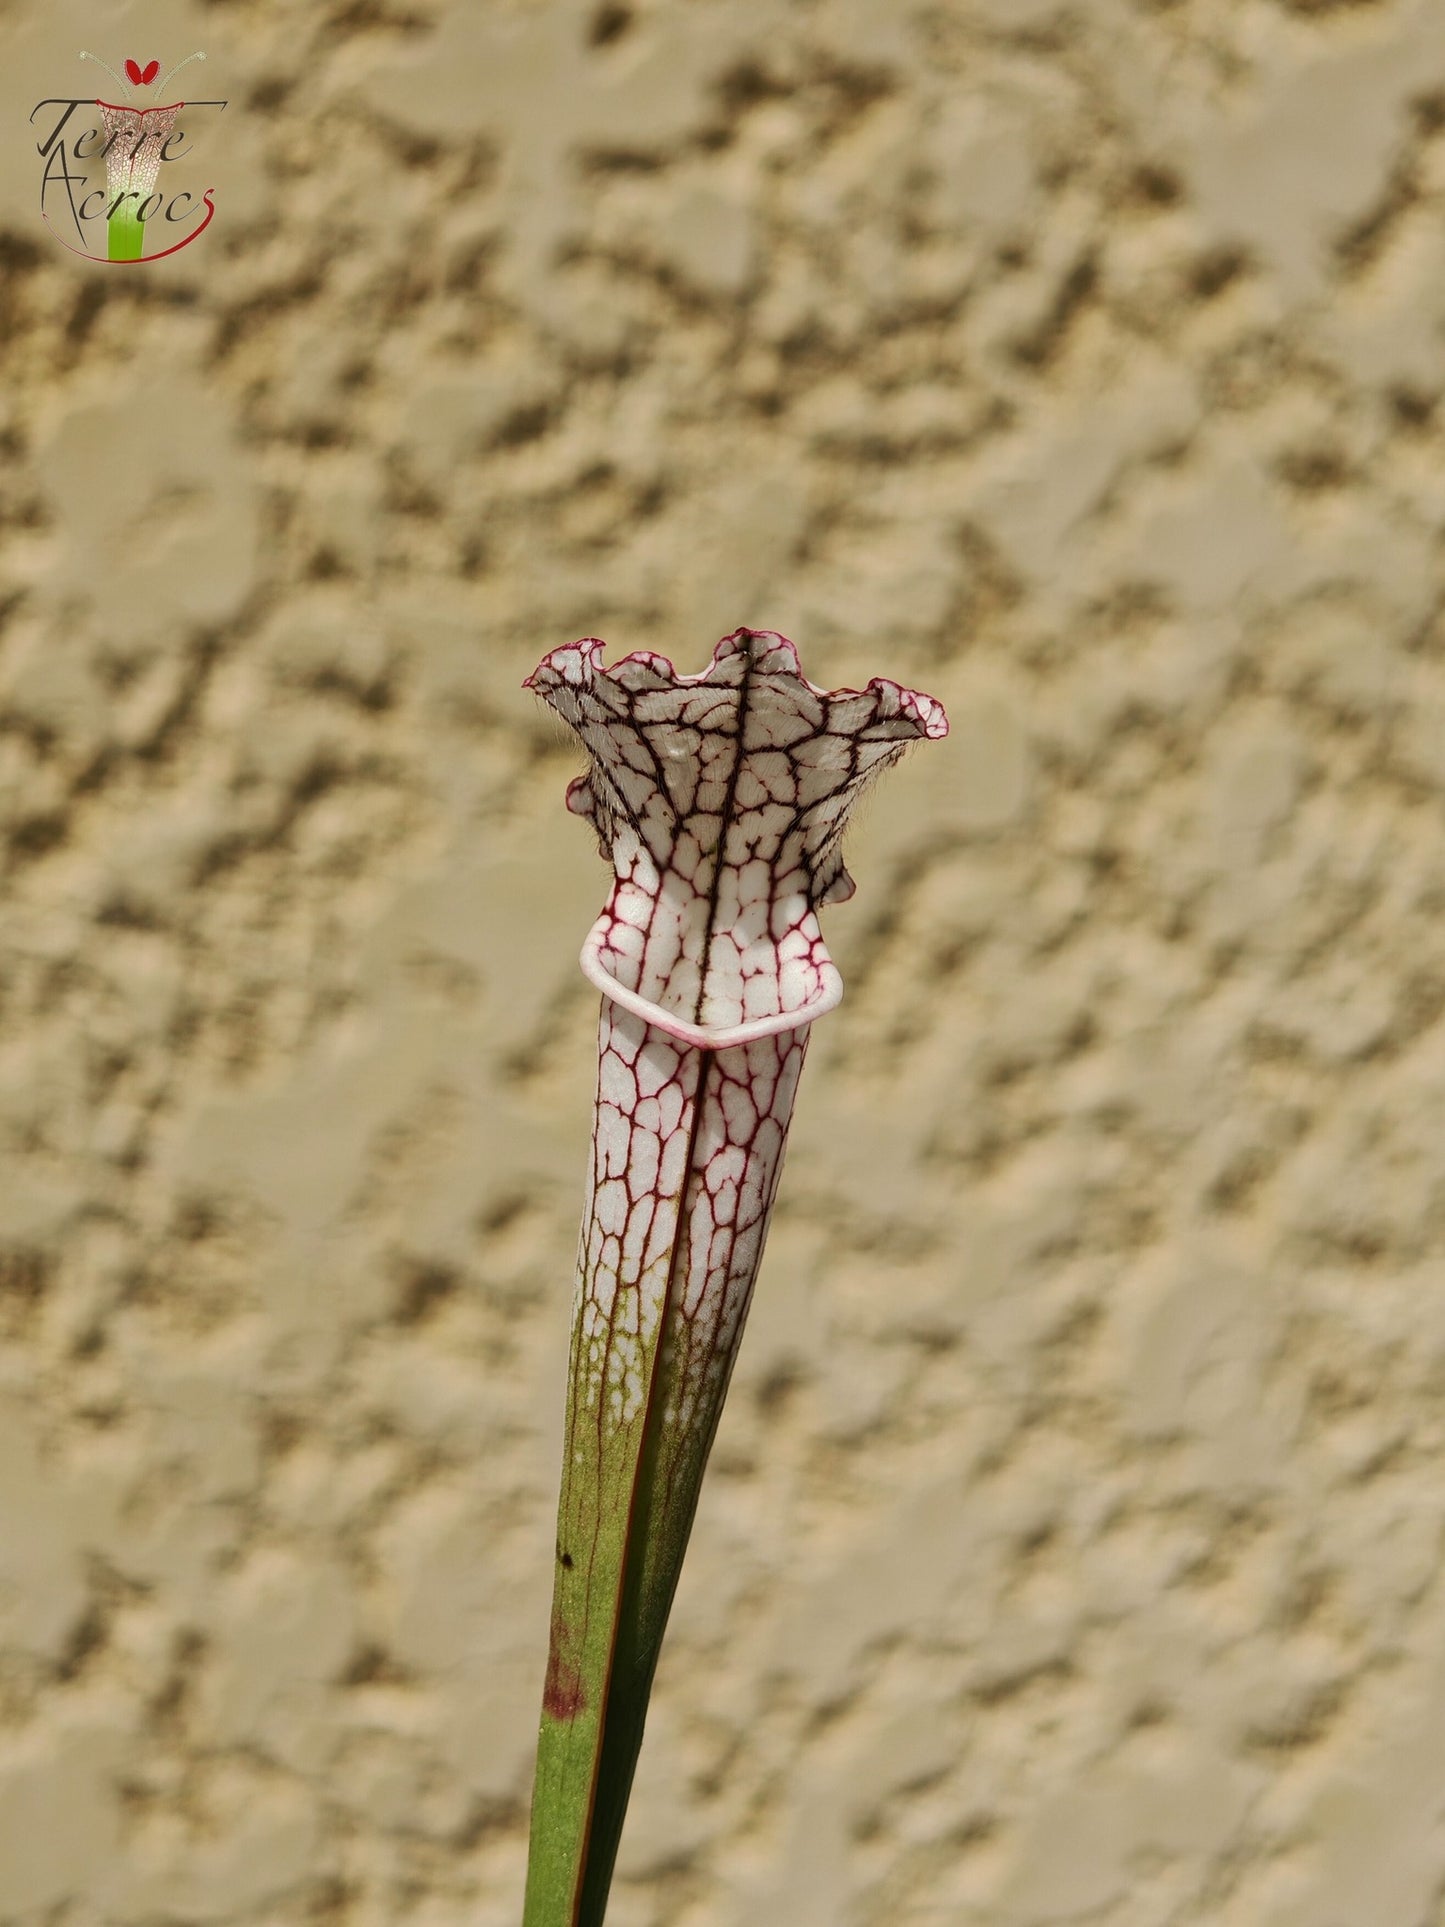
point(1072, 1546)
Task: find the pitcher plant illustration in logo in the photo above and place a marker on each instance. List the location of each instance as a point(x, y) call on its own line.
point(143, 219)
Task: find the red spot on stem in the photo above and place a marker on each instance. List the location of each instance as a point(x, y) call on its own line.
point(563, 1694)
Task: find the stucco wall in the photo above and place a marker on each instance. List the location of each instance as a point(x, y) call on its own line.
point(1071, 1550)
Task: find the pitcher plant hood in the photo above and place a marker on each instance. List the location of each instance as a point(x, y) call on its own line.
point(721, 801)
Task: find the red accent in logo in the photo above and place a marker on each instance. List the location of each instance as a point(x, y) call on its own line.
point(139, 77)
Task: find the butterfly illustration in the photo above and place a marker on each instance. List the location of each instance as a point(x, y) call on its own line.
point(138, 76)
